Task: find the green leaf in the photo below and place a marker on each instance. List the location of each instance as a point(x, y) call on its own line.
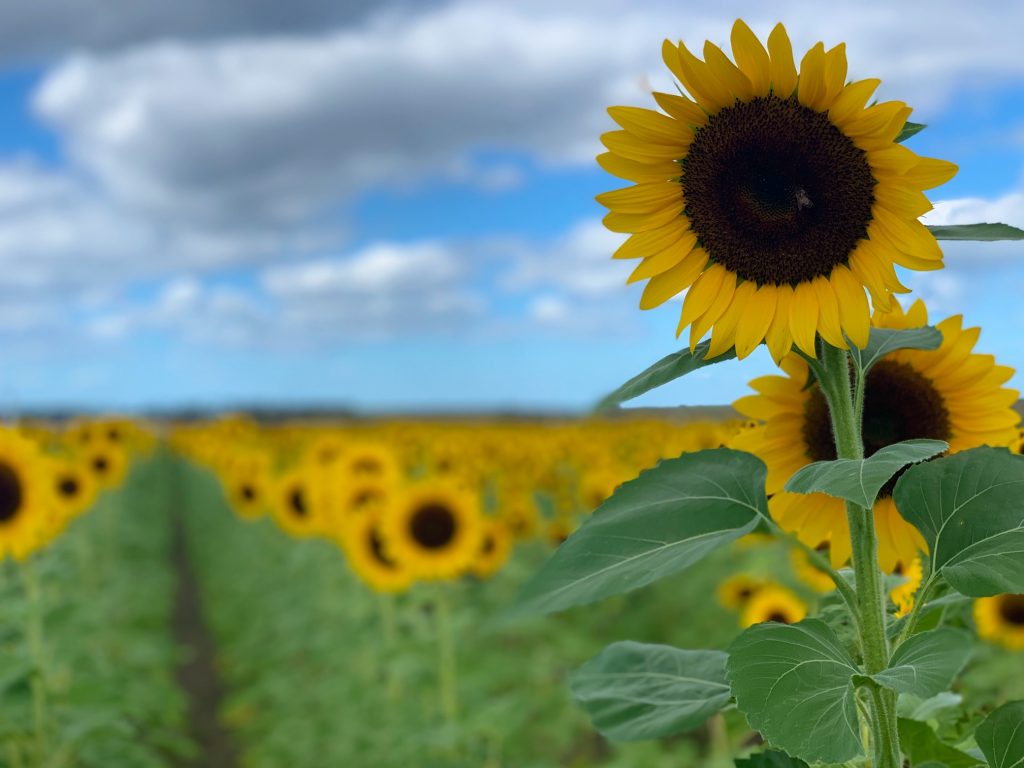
point(914, 708)
point(910, 129)
point(652, 527)
point(1001, 736)
point(968, 509)
point(633, 691)
point(976, 232)
point(667, 369)
point(926, 663)
point(882, 341)
point(795, 685)
point(771, 759)
point(860, 480)
point(923, 746)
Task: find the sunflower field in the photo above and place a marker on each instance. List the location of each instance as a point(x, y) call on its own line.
point(828, 571)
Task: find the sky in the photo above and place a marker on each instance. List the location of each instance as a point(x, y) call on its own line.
point(389, 206)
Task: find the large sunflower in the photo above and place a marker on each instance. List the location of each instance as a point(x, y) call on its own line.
point(26, 500)
point(775, 197)
point(950, 393)
point(435, 527)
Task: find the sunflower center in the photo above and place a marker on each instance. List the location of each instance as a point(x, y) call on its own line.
point(775, 192)
point(101, 464)
point(68, 487)
point(377, 550)
point(248, 492)
point(777, 616)
point(433, 526)
point(10, 493)
point(1011, 609)
point(297, 503)
point(899, 404)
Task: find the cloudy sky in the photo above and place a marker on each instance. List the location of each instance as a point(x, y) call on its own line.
point(390, 205)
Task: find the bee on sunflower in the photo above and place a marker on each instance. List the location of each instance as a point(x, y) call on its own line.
point(773, 196)
point(951, 393)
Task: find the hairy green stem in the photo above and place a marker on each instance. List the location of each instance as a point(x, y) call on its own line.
point(844, 402)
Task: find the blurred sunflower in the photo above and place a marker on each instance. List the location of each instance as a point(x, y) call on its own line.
point(950, 394)
point(106, 462)
point(495, 547)
point(25, 496)
point(435, 527)
point(808, 574)
point(775, 196)
point(248, 484)
point(370, 460)
point(73, 487)
point(737, 590)
point(1000, 619)
point(368, 557)
point(903, 595)
point(773, 603)
point(297, 502)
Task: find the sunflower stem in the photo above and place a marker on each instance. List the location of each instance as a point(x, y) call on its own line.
point(447, 664)
point(37, 652)
point(844, 404)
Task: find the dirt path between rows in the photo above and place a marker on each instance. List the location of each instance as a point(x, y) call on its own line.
point(197, 671)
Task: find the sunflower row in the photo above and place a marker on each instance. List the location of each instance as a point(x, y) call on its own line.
point(422, 501)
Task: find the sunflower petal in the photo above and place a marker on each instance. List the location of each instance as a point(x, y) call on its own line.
point(803, 317)
point(930, 173)
point(779, 338)
point(811, 86)
point(657, 263)
point(829, 327)
point(783, 69)
point(701, 296)
point(854, 314)
point(652, 241)
point(727, 73)
point(851, 100)
point(649, 125)
point(631, 170)
point(672, 282)
point(723, 335)
point(641, 198)
point(751, 57)
point(718, 307)
point(755, 320)
point(682, 109)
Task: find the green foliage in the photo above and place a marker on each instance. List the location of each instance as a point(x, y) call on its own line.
point(910, 129)
point(635, 691)
point(795, 684)
point(1001, 736)
point(860, 480)
point(926, 664)
point(882, 341)
point(968, 509)
point(652, 527)
point(923, 746)
point(983, 232)
point(667, 369)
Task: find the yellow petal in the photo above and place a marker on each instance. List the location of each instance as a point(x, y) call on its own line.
point(648, 125)
point(782, 67)
point(642, 198)
point(854, 314)
point(700, 296)
point(632, 148)
point(663, 287)
point(723, 335)
point(631, 170)
point(829, 327)
point(751, 57)
point(930, 173)
point(755, 319)
point(811, 86)
point(851, 100)
point(910, 236)
point(875, 121)
point(835, 72)
point(652, 241)
point(642, 222)
point(701, 82)
point(906, 202)
point(682, 109)
point(657, 263)
point(727, 73)
point(718, 307)
point(894, 159)
point(779, 338)
point(803, 317)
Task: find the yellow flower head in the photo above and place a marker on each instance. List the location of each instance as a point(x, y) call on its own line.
point(773, 196)
point(1000, 619)
point(773, 603)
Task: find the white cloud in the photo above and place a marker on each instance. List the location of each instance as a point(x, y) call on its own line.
point(1008, 209)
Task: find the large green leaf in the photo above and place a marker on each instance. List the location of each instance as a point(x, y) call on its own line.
point(772, 759)
point(984, 232)
point(635, 691)
point(860, 480)
point(923, 746)
point(882, 341)
point(926, 663)
point(667, 369)
point(795, 685)
point(657, 525)
point(910, 129)
point(968, 508)
point(1001, 737)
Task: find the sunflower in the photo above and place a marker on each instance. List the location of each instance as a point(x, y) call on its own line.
point(773, 603)
point(25, 496)
point(950, 393)
point(597, 485)
point(247, 484)
point(495, 547)
point(736, 591)
point(107, 463)
point(435, 527)
point(73, 487)
point(775, 197)
point(369, 559)
point(808, 574)
point(297, 502)
point(1000, 619)
point(903, 595)
point(370, 460)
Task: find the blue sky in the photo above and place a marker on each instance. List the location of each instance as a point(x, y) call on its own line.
point(392, 208)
